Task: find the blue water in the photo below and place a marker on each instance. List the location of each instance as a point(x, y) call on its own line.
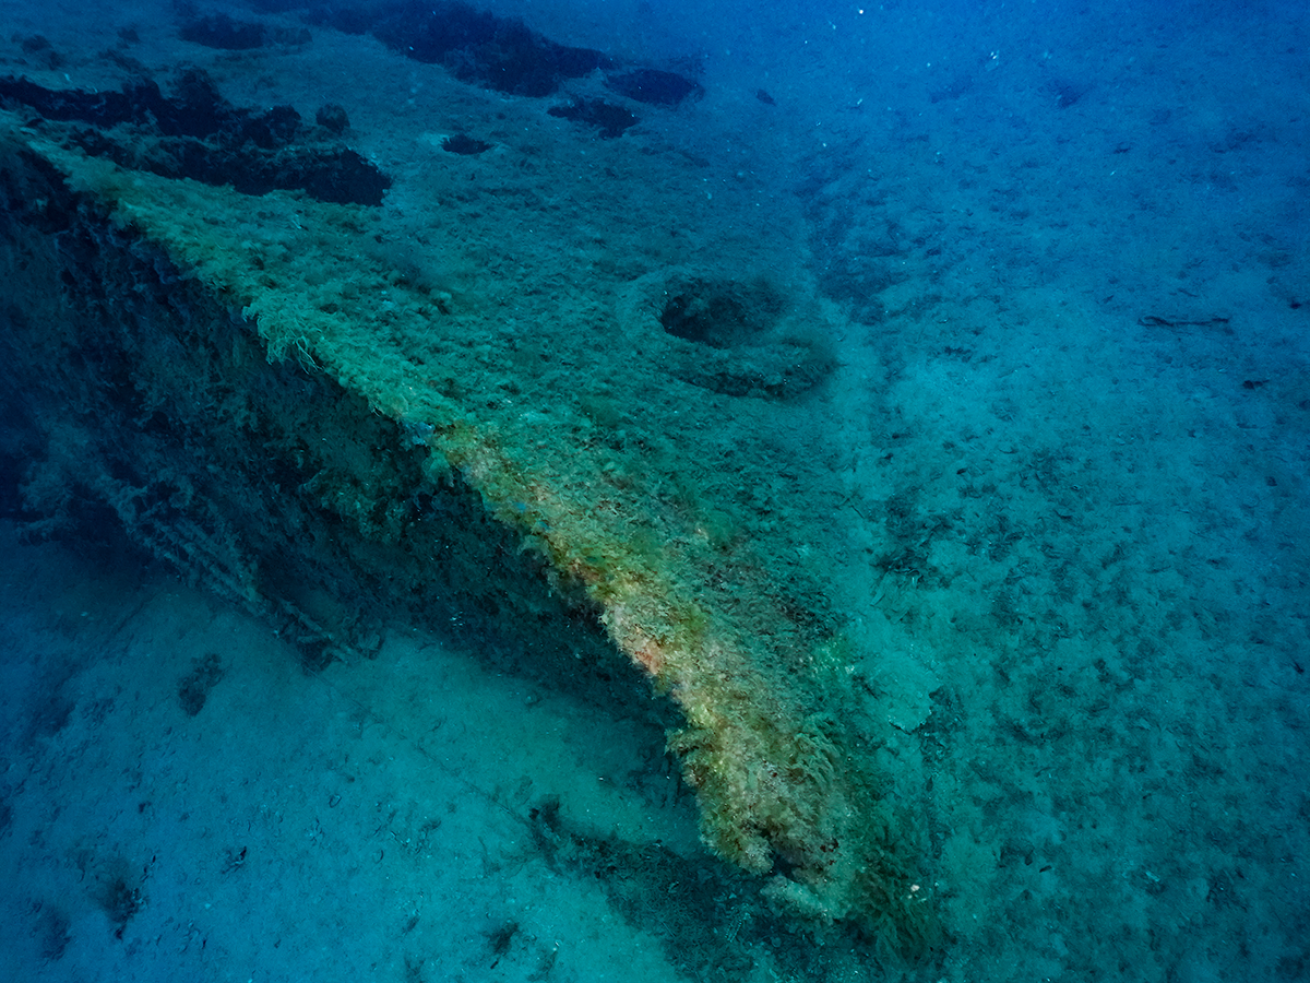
point(1070, 245)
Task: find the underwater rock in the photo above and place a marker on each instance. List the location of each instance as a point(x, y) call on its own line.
point(196, 133)
point(654, 87)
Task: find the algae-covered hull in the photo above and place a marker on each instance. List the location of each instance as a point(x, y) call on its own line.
point(592, 413)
